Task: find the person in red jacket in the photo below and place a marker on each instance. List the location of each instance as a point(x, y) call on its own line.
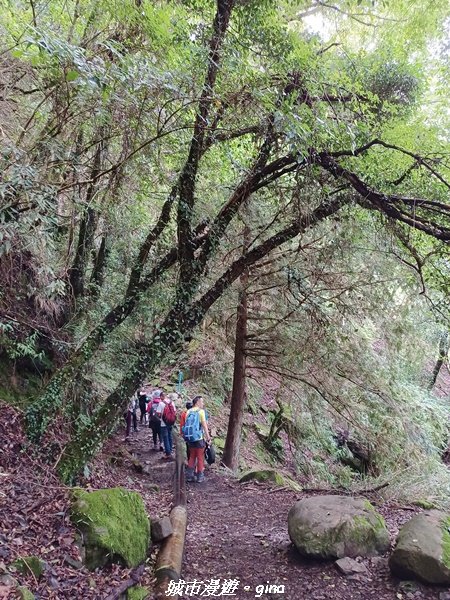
point(168, 412)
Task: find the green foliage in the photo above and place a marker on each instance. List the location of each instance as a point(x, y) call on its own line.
point(27, 565)
point(25, 593)
point(18, 349)
point(98, 104)
point(138, 592)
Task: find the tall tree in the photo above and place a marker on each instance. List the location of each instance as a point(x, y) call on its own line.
point(238, 393)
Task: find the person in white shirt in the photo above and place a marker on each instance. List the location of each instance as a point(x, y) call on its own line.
point(131, 415)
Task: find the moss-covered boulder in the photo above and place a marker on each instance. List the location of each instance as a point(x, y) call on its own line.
point(270, 476)
point(424, 503)
point(423, 549)
point(263, 475)
point(138, 592)
point(114, 527)
point(24, 593)
point(28, 565)
point(331, 527)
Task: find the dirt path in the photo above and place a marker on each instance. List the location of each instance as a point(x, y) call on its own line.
point(239, 532)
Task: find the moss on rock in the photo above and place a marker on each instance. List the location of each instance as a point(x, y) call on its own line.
point(422, 550)
point(30, 564)
point(114, 526)
point(424, 503)
point(270, 476)
point(25, 594)
point(445, 527)
point(263, 475)
point(334, 526)
point(138, 592)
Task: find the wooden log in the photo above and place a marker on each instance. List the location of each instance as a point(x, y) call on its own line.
point(179, 492)
point(170, 557)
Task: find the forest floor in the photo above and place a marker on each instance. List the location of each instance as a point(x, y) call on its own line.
point(237, 533)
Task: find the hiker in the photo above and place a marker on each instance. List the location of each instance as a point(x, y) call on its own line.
point(183, 415)
point(154, 419)
point(168, 412)
point(131, 416)
point(196, 434)
point(142, 400)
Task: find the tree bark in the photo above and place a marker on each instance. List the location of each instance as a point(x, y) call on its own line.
point(88, 225)
point(238, 394)
point(98, 272)
point(444, 344)
point(197, 148)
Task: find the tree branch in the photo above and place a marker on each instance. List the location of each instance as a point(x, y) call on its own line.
point(386, 203)
point(188, 175)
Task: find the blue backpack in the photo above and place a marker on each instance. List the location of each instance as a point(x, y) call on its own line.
point(192, 430)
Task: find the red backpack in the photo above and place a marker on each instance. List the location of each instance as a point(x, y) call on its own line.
point(169, 414)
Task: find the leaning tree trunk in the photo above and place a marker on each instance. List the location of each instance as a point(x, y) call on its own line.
point(98, 272)
point(88, 439)
point(238, 394)
point(88, 225)
point(176, 327)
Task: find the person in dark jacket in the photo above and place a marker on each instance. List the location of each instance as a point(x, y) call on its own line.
point(154, 419)
point(142, 399)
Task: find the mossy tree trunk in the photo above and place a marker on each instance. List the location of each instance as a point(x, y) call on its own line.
point(88, 439)
point(88, 226)
point(98, 272)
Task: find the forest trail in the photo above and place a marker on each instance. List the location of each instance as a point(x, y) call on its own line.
point(235, 531)
point(239, 532)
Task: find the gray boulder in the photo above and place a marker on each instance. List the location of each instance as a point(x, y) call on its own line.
point(349, 566)
point(332, 527)
point(161, 529)
point(423, 549)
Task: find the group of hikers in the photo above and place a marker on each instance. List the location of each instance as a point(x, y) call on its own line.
point(159, 411)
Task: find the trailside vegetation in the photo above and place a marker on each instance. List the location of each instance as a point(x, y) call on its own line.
point(157, 157)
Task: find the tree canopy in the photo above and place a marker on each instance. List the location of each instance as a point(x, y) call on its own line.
point(139, 138)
